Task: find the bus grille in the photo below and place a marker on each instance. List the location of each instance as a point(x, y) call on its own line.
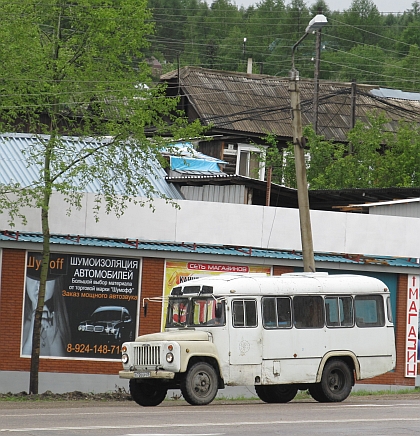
point(147, 355)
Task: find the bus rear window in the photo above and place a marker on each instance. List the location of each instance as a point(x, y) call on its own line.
point(369, 311)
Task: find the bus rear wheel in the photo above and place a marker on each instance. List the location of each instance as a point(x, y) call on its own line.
point(276, 393)
point(336, 382)
point(147, 394)
point(200, 384)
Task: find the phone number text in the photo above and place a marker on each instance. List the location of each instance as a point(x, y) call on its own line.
point(96, 349)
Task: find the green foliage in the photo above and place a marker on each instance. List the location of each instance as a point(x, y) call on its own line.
point(73, 69)
point(359, 42)
point(78, 69)
point(373, 158)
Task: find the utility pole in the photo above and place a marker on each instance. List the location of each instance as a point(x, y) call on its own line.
point(299, 149)
point(352, 110)
point(316, 80)
point(301, 180)
point(316, 77)
point(244, 51)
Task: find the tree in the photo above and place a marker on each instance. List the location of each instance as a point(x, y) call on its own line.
point(77, 69)
point(363, 24)
point(364, 63)
point(170, 19)
point(377, 158)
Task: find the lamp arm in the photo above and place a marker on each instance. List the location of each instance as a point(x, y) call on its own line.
point(294, 49)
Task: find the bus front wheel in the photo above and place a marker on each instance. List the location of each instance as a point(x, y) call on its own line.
point(145, 393)
point(336, 382)
point(276, 393)
point(200, 384)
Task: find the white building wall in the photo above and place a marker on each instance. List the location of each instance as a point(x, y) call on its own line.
point(235, 224)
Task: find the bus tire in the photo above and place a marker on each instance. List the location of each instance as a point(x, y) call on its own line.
point(317, 393)
point(200, 384)
point(145, 393)
point(337, 381)
point(276, 393)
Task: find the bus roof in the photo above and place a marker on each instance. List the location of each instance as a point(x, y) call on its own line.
point(287, 284)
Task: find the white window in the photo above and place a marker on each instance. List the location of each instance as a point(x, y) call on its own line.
point(250, 161)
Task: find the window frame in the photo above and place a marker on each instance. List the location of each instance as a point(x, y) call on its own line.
point(338, 298)
point(277, 325)
point(380, 322)
point(243, 301)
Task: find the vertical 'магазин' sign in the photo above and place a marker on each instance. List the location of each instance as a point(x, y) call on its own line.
point(411, 343)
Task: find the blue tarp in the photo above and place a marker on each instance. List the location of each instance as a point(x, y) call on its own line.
point(191, 164)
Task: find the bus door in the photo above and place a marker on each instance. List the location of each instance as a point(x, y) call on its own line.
point(292, 345)
point(245, 334)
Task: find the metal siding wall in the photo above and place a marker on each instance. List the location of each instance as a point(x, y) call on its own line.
point(215, 193)
point(404, 209)
point(192, 193)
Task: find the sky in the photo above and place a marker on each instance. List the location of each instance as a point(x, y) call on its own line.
point(339, 5)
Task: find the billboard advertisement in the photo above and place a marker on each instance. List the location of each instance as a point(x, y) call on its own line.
point(177, 272)
point(90, 305)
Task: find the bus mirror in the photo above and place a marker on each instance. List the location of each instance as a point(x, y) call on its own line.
point(145, 309)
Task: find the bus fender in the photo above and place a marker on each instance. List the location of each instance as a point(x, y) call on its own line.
point(344, 355)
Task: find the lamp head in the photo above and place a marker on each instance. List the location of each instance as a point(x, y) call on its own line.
point(316, 23)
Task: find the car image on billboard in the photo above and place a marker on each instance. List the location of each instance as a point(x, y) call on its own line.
point(113, 324)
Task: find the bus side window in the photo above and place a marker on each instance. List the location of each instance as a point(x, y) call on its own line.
point(269, 312)
point(369, 311)
point(332, 312)
point(276, 312)
point(308, 312)
point(284, 318)
point(244, 313)
point(338, 311)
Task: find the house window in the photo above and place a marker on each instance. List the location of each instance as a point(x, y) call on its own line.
point(249, 162)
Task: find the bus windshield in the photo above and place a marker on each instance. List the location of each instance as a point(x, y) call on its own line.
point(194, 312)
point(177, 312)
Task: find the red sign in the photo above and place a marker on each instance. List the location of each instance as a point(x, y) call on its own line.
point(217, 267)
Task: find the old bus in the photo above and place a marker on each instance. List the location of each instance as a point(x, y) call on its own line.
point(298, 331)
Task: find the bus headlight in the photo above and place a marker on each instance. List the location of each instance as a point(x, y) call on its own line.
point(124, 358)
point(169, 357)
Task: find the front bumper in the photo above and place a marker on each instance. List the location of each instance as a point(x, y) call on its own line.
point(167, 375)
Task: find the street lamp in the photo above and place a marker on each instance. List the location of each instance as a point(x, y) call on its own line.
point(299, 149)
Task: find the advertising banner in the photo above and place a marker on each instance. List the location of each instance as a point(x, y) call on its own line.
point(177, 272)
point(90, 305)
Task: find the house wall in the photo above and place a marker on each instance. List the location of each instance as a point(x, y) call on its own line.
point(62, 375)
point(238, 225)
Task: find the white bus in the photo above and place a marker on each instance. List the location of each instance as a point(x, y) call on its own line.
point(281, 334)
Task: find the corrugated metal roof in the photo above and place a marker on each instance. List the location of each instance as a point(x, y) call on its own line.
point(13, 165)
point(223, 250)
point(257, 104)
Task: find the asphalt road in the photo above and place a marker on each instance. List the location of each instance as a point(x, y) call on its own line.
point(394, 415)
